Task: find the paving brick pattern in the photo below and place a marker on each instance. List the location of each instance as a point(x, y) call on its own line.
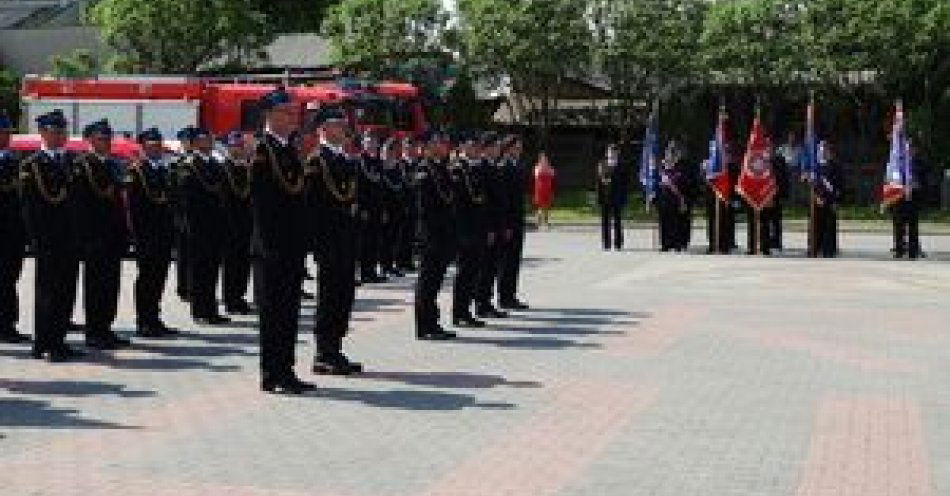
point(635, 373)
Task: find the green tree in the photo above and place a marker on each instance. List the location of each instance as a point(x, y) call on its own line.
point(180, 36)
point(531, 47)
point(294, 16)
point(645, 50)
point(378, 37)
point(9, 93)
point(76, 64)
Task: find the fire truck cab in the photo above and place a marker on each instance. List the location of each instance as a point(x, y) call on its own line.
point(134, 103)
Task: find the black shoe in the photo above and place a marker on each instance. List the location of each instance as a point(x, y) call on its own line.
point(307, 295)
point(489, 312)
point(239, 308)
point(212, 320)
point(407, 268)
point(107, 341)
point(355, 367)
point(75, 328)
point(332, 365)
point(514, 305)
point(307, 276)
point(290, 385)
point(436, 335)
point(63, 353)
point(467, 321)
point(149, 331)
point(12, 336)
point(395, 273)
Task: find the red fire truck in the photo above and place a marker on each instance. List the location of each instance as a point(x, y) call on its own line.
point(169, 103)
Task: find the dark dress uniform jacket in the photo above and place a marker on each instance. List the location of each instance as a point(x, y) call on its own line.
point(436, 204)
point(149, 197)
point(278, 224)
point(49, 223)
point(97, 206)
point(12, 229)
point(471, 203)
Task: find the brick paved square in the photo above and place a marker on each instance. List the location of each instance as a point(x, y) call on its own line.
point(635, 373)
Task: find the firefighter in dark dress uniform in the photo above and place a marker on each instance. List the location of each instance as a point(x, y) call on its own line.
point(149, 186)
point(516, 181)
point(673, 201)
point(436, 206)
point(472, 230)
point(408, 168)
point(371, 211)
point(335, 167)
point(828, 191)
point(395, 212)
point(102, 230)
point(906, 212)
point(496, 207)
point(12, 237)
point(611, 190)
point(46, 178)
point(236, 275)
point(186, 138)
point(280, 241)
point(202, 184)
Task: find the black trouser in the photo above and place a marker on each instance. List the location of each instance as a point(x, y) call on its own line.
point(436, 257)
point(826, 231)
point(470, 255)
point(236, 275)
point(675, 225)
point(775, 225)
point(204, 260)
point(12, 253)
point(277, 280)
point(721, 226)
point(906, 229)
point(55, 295)
point(389, 241)
point(183, 285)
point(153, 263)
point(510, 267)
point(407, 237)
point(102, 273)
point(488, 268)
point(369, 235)
point(336, 291)
point(611, 219)
point(759, 236)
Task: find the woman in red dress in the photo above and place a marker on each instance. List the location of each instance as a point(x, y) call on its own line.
point(543, 189)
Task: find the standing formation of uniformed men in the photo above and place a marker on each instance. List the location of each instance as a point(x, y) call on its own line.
point(366, 206)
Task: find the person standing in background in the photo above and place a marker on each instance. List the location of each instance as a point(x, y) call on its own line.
point(612, 197)
point(544, 177)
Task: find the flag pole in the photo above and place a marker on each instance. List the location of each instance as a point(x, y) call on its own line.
point(756, 213)
point(719, 201)
point(813, 201)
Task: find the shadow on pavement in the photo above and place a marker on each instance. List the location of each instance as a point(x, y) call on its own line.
point(409, 400)
point(71, 388)
point(564, 331)
point(20, 412)
point(452, 380)
point(527, 343)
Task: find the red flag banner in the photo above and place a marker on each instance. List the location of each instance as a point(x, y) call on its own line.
point(757, 182)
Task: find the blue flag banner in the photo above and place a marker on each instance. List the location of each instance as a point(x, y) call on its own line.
point(898, 176)
point(649, 161)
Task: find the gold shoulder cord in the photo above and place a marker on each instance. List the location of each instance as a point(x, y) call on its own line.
point(466, 177)
point(447, 198)
point(335, 189)
point(241, 192)
point(106, 192)
point(54, 199)
point(161, 198)
point(206, 183)
point(290, 188)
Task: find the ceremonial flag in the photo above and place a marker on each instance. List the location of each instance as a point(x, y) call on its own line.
point(898, 176)
point(649, 160)
point(757, 182)
point(717, 170)
point(809, 165)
